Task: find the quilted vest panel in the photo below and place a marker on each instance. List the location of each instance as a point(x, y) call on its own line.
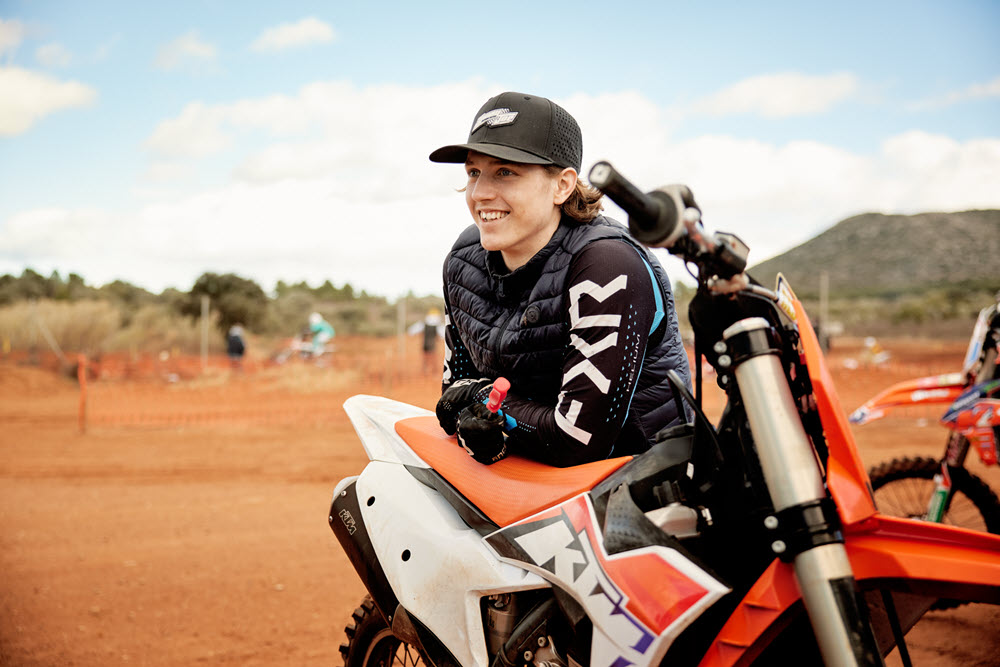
point(515, 324)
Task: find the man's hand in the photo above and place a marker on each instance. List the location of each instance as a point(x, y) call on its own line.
point(458, 396)
point(482, 434)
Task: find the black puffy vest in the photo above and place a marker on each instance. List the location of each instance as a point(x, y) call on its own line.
point(515, 324)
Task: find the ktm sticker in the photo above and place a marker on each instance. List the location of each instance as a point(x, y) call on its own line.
point(348, 520)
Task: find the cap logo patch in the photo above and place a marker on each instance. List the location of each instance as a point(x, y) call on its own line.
point(495, 118)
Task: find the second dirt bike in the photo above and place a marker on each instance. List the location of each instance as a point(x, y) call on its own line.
point(944, 490)
point(754, 541)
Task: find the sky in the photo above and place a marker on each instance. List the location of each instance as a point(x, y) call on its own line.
point(154, 142)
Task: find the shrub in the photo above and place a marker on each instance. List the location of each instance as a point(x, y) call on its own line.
point(81, 326)
point(157, 327)
point(236, 300)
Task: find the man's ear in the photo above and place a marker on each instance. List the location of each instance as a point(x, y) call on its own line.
point(565, 184)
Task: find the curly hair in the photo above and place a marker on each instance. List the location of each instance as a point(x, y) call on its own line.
point(585, 203)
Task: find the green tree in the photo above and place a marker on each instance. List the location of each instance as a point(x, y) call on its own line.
point(127, 294)
point(58, 289)
point(237, 300)
point(33, 285)
point(77, 288)
point(8, 289)
point(326, 291)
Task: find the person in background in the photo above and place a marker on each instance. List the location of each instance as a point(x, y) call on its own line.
point(235, 346)
point(322, 332)
point(431, 329)
point(545, 291)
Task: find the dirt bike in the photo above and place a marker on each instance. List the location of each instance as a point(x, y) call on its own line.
point(944, 490)
point(301, 347)
point(755, 540)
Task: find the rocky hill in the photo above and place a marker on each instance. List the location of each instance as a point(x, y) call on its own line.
point(890, 255)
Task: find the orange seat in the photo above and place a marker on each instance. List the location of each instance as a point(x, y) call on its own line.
point(510, 489)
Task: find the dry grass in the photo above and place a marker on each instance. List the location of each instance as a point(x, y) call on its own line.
point(156, 327)
point(82, 326)
point(97, 326)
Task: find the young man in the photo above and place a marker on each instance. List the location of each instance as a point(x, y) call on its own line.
point(547, 292)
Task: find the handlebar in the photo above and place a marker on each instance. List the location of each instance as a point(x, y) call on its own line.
point(653, 218)
point(670, 218)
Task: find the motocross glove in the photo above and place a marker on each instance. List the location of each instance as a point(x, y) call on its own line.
point(458, 396)
point(481, 432)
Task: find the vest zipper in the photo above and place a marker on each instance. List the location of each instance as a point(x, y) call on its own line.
point(498, 337)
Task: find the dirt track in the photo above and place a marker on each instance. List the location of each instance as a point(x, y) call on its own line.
point(190, 538)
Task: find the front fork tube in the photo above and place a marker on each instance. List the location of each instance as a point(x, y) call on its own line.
point(956, 450)
point(805, 523)
point(941, 498)
point(954, 457)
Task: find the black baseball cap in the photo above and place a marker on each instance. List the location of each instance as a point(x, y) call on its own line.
point(520, 128)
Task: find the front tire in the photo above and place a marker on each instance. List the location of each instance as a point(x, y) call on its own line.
point(370, 642)
point(903, 487)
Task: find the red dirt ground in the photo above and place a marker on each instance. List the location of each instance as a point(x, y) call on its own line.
point(188, 524)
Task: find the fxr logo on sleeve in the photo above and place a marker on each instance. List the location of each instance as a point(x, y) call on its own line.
point(446, 376)
point(586, 367)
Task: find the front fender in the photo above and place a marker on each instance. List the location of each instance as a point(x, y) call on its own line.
point(933, 390)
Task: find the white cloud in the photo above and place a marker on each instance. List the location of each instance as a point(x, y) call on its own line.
point(926, 172)
point(203, 129)
point(989, 89)
point(57, 231)
point(779, 95)
point(188, 50)
point(290, 35)
point(974, 92)
point(772, 196)
point(197, 132)
point(336, 125)
point(777, 196)
point(27, 96)
point(290, 230)
point(339, 187)
point(11, 35)
point(165, 172)
point(640, 125)
point(53, 55)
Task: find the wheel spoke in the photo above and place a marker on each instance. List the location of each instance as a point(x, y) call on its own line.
point(906, 497)
point(370, 642)
point(909, 495)
point(406, 656)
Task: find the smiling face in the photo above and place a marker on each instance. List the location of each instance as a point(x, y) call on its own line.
point(515, 205)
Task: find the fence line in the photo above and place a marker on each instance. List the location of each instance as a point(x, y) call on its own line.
point(240, 397)
point(150, 391)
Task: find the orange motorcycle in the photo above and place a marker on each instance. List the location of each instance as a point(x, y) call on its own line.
point(944, 490)
point(751, 541)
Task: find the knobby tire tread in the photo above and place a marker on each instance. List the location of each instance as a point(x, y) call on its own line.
point(964, 482)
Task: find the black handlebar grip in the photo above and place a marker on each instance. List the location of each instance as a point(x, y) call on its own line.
point(652, 218)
